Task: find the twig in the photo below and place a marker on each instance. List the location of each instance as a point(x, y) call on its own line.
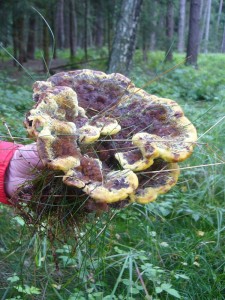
point(8, 130)
point(105, 225)
point(186, 168)
point(220, 120)
point(142, 282)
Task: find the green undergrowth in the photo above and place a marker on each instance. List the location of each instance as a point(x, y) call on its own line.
point(171, 249)
point(204, 83)
point(14, 101)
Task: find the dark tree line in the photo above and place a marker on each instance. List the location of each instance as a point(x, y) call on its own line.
point(118, 26)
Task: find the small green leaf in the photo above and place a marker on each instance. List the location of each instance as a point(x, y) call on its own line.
point(181, 276)
point(97, 294)
point(14, 278)
point(174, 293)
point(166, 286)
point(19, 220)
point(126, 282)
point(158, 290)
point(134, 291)
point(29, 290)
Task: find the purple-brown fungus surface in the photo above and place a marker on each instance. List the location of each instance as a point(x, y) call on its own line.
point(111, 140)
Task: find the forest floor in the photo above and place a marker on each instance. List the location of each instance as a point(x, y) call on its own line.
point(96, 60)
point(34, 66)
point(171, 249)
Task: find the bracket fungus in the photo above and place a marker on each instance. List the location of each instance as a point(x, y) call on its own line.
point(111, 140)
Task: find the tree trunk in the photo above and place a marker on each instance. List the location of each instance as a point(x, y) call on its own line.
point(66, 17)
point(109, 25)
point(154, 26)
point(218, 20)
point(21, 42)
point(5, 15)
point(219, 15)
point(73, 28)
point(152, 41)
point(144, 30)
point(15, 37)
point(207, 26)
point(99, 24)
point(181, 26)
point(85, 29)
point(45, 48)
point(144, 47)
point(169, 30)
point(201, 8)
point(89, 25)
point(31, 37)
point(203, 20)
point(223, 42)
point(60, 35)
point(125, 37)
point(111, 22)
point(193, 35)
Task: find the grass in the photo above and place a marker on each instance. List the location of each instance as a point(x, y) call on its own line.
point(171, 249)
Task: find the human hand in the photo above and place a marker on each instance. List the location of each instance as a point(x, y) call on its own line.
point(24, 165)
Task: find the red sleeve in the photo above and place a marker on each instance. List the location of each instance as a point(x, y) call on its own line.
point(7, 150)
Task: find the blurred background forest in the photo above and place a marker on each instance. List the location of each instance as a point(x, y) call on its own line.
point(173, 248)
point(28, 26)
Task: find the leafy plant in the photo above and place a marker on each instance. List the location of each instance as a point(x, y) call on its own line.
point(173, 248)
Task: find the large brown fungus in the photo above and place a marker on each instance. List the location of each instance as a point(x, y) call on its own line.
point(112, 141)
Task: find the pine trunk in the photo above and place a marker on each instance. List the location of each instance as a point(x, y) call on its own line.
point(218, 22)
point(98, 28)
point(193, 35)
point(86, 29)
point(21, 42)
point(60, 36)
point(203, 20)
point(223, 42)
point(46, 48)
point(125, 37)
point(73, 28)
point(219, 15)
point(31, 37)
point(109, 25)
point(181, 26)
point(169, 30)
point(66, 17)
point(15, 38)
point(144, 47)
point(207, 26)
point(154, 26)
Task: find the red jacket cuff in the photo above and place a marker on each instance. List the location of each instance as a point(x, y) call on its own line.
point(7, 150)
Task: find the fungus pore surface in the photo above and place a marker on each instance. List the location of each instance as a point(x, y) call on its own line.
point(110, 139)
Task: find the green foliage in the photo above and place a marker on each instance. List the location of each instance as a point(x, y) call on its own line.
point(28, 290)
point(3, 55)
point(170, 249)
point(207, 83)
point(22, 289)
point(14, 102)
